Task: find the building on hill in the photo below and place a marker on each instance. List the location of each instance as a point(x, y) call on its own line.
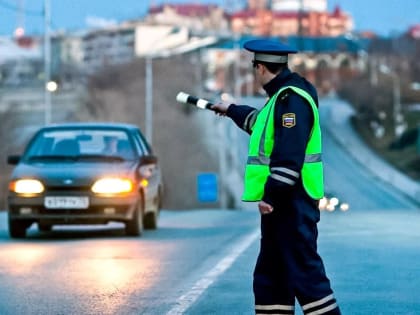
point(259, 18)
point(414, 31)
point(257, 4)
point(299, 5)
point(197, 18)
point(264, 22)
point(20, 61)
point(106, 47)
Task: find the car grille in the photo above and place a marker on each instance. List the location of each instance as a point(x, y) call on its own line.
point(67, 188)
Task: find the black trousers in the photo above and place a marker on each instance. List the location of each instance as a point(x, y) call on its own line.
point(288, 265)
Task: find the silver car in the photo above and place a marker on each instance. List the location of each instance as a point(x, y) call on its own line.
point(85, 173)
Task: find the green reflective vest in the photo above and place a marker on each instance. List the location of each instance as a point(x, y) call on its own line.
point(261, 145)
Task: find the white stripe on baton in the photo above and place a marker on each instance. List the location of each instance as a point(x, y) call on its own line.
point(185, 98)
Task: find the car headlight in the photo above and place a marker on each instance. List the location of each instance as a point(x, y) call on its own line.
point(26, 186)
point(112, 186)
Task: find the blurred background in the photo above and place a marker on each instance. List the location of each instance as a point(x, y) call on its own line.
point(91, 61)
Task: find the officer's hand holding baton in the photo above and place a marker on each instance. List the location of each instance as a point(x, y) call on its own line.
point(220, 108)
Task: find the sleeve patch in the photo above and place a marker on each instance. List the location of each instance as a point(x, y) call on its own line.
point(289, 120)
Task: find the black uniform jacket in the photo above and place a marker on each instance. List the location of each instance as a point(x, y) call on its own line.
point(292, 124)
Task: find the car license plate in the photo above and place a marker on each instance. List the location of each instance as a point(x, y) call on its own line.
point(65, 202)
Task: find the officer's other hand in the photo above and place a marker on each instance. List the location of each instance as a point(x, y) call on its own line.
point(264, 207)
point(220, 108)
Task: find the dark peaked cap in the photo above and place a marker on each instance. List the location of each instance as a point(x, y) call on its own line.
point(269, 50)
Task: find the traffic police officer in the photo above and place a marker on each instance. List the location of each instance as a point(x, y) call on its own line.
point(284, 174)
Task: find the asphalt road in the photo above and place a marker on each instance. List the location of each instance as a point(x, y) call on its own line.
point(97, 270)
point(201, 261)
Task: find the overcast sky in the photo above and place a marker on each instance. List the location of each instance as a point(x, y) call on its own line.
point(384, 17)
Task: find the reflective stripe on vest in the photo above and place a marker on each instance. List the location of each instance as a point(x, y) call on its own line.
point(261, 145)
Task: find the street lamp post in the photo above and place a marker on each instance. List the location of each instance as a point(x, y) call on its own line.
point(149, 99)
point(399, 125)
point(47, 61)
point(397, 100)
point(148, 95)
point(418, 138)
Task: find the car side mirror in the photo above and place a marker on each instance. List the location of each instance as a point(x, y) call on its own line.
point(13, 159)
point(148, 159)
point(148, 165)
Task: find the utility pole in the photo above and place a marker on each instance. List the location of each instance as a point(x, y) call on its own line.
point(300, 28)
point(20, 24)
point(418, 138)
point(372, 62)
point(149, 99)
point(47, 61)
point(398, 117)
point(399, 124)
point(198, 72)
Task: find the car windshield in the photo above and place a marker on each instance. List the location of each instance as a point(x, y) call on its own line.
point(81, 144)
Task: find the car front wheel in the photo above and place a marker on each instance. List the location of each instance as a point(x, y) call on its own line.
point(150, 220)
point(17, 228)
point(134, 227)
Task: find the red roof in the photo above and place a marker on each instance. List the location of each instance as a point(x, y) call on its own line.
point(289, 15)
point(337, 11)
point(185, 9)
point(275, 14)
point(244, 14)
point(414, 31)
point(25, 42)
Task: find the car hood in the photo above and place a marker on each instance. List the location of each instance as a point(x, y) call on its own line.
point(77, 173)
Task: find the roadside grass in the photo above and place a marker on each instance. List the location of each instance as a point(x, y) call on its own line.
point(402, 154)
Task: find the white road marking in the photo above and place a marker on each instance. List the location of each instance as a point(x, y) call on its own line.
point(185, 301)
